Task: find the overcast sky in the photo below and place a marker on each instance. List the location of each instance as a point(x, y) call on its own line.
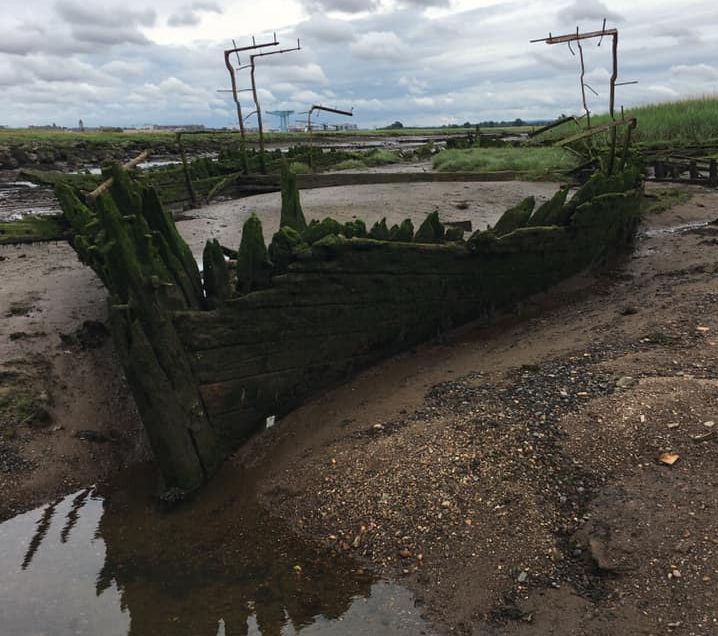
point(119, 62)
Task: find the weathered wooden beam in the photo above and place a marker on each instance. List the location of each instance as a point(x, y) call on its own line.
point(597, 129)
point(107, 183)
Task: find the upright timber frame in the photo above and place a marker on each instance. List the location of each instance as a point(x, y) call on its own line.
point(578, 37)
point(235, 91)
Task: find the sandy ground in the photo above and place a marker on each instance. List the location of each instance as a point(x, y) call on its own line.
point(479, 202)
point(509, 475)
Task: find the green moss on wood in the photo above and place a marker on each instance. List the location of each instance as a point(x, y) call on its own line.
point(550, 212)
point(454, 234)
point(431, 230)
point(403, 233)
point(281, 249)
point(216, 274)
point(253, 266)
point(379, 231)
point(355, 229)
point(515, 217)
point(292, 214)
point(319, 229)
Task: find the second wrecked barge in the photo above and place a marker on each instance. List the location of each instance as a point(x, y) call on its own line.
point(209, 357)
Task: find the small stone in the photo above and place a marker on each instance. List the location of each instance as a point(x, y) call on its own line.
point(446, 504)
point(405, 553)
point(709, 423)
point(625, 381)
point(522, 578)
point(676, 574)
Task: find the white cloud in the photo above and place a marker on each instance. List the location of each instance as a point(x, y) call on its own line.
point(590, 10)
point(705, 71)
point(380, 45)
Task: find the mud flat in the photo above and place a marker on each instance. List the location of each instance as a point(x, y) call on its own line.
point(509, 476)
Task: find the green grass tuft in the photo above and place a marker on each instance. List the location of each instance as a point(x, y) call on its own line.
point(350, 164)
point(656, 201)
point(534, 163)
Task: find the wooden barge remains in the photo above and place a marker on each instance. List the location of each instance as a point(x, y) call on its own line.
point(209, 356)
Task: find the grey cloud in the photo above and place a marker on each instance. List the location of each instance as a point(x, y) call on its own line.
point(425, 4)
point(589, 10)
point(191, 14)
point(346, 6)
point(99, 14)
point(683, 35)
point(109, 36)
point(320, 28)
point(27, 39)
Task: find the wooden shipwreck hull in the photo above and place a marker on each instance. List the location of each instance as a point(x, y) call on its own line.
point(209, 357)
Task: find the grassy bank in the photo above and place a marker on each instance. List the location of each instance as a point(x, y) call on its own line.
point(535, 163)
point(684, 122)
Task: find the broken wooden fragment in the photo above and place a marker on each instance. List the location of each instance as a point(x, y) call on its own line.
point(253, 266)
point(515, 217)
point(431, 230)
point(215, 274)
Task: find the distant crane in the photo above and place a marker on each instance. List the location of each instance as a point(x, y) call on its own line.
point(283, 118)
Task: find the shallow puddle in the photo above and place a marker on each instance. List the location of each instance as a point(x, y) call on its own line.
point(106, 561)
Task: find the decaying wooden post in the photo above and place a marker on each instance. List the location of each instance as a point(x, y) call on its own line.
point(258, 108)
point(235, 93)
point(185, 169)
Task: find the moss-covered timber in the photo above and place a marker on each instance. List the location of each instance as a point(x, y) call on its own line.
point(149, 273)
point(207, 367)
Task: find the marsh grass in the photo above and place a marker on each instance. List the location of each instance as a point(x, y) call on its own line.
point(683, 122)
point(533, 163)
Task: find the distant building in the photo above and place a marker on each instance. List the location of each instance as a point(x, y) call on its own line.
point(175, 127)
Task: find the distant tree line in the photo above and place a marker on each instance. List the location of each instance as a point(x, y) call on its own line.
point(482, 124)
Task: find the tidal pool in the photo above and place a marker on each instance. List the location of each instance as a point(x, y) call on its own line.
point(106, 560)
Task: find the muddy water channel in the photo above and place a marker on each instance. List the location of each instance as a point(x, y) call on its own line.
point(106, 560)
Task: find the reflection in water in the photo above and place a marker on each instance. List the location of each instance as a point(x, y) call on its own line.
point(43, 525)
point(106, 561)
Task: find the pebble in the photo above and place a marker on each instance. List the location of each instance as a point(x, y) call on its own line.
point(522, 577)
point(625, 381)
